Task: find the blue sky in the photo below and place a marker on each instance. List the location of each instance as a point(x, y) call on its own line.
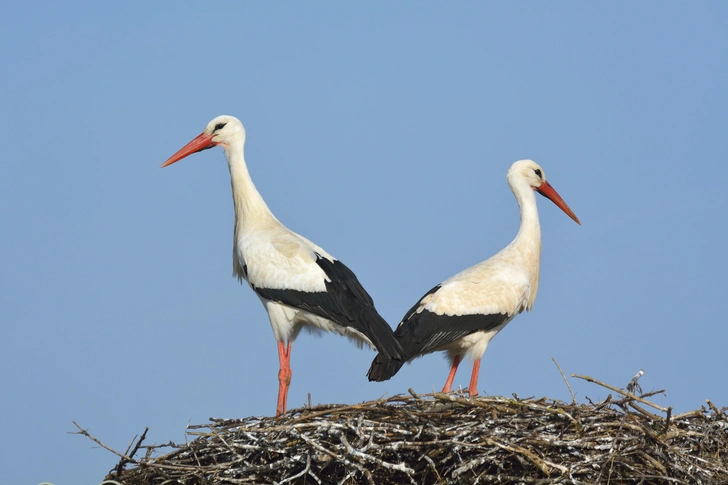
point(383, 133)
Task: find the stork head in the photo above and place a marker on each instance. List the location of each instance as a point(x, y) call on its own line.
point(530, 173)
point(223, 130)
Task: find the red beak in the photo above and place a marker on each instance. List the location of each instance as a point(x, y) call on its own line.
point(547, 191)
point(201, 142)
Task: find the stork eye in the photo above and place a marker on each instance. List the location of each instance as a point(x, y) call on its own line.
point(219, 126)
point(538, 173)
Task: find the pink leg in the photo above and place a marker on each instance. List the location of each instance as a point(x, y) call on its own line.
point(284, 376)
point(451, 376)
point(474, 378)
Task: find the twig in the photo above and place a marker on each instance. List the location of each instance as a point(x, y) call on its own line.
point(713, 407)
point(620, 391)
point(694, 413)
point(88, 435)
point(322, 449)
point(483, 403)
point(401, 467)
point(305, 470)
point(123, 462)
point(652, 393)
point(642, 410)
point(131, 443)
point(542, 464)
point(667, 420)
point(573, 398)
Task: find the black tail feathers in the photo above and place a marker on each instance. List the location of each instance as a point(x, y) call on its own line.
point(389, 347)
point(381, 335)
point(383, 368)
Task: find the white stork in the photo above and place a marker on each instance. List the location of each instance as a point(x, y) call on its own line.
point(299, 283)
point(462, 314)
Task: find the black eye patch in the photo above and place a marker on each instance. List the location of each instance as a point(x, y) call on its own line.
point(219, 126)
point(538, 172)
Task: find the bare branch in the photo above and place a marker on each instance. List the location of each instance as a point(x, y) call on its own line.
point(88, 435)
point(573, 397)
point(620, 391)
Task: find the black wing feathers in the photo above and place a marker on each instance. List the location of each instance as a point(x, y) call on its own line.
point(345, 302)
point(343, 282)
point(412, 311)
point(426, 331)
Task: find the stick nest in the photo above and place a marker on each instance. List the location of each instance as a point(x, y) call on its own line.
point(445, 438)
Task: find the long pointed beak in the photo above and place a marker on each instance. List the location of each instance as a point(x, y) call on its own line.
point(547, 191)
point(199, 143)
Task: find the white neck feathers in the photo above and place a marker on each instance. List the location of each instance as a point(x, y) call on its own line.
point(250, 208)
point(527, 243)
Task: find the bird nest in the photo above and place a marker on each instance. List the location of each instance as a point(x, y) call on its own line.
point(445, 438)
